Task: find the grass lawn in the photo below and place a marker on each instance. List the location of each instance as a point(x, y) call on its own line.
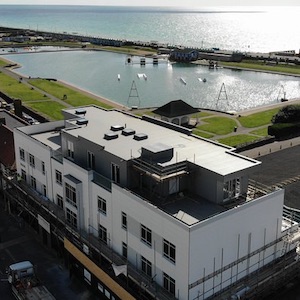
point(15, 89)
point(260, 65)
point(203, 134)
point(258, 119)
point(261, 132)
point(3, 63)
point(238, 139)
point(218, 125)
point(74, 98)
point(50, 109)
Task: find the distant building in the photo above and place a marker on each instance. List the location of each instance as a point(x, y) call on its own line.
point(183, 55)
point(172, 211)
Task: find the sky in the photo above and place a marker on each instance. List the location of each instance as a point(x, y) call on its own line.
point(185, 3)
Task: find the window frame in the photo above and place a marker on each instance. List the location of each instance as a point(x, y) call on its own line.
point(31, 160)
point(102, 206)
point(71, 196)
point(60, 201)
point(124, 250)
point(58, 177)
point(22, 154)
point(102, 234)
point(169, 251)
point(124, 220)
point(33, 182)
point(146, 266)
point(146, 235)
point(169, 283)
point(71, 218)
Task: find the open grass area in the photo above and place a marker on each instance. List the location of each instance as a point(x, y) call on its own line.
point(238, 139)
point(3, 63)
point(218, 125)
point(260, 65)
point(261, 132)
point(73, 97)
point(50, 109)
point(16, 89)
point(203, 134)
point(258, 119)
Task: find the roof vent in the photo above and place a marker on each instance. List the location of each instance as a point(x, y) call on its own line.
point(80, 111)
point(116, 127)
point(82, 122)
point(110, 136)
point(128, 131)
point(140, 136)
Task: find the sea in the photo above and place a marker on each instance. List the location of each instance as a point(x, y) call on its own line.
point(243, 29)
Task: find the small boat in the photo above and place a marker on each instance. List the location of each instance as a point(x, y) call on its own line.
point(200, 79)
point(145, 76)
point(204, 80)
point(182, 80)
point(140, 75)
point(119, 77)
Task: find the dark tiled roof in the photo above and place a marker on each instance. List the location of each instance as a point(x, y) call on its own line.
point(7, 148)
point(175, 108)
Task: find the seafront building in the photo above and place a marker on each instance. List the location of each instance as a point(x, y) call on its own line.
point(174, 214)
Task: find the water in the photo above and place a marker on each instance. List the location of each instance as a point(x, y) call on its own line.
point(97, 71)
point(253, 29)
point(261, 29)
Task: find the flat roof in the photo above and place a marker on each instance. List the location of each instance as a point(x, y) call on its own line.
point(102, 123)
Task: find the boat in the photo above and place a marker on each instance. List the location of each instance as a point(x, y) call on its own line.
point(182, 80)
point(145, 76)
point(204, 80)
point(119, 77)
point(200, 79)
point(140, 75)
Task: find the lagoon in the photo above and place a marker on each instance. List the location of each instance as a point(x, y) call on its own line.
point(97, 72)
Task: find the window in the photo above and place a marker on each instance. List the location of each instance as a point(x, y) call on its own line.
point(22, 154)
point(23, 175)
point(169, 283)
point(58, 177)
point(115, 173)
point(70, 146)
point(124, 250)
point(102, 205)
point(33, 182)
point(146, 266)
point(43, 167)
point(90, 160)
point(146, 235)
point(124, 221)
point(71, 195)
point(44, 190)
point(59, 201)
point(71, 218)
point(102, 234)
point(31, 160)
point(169, 251)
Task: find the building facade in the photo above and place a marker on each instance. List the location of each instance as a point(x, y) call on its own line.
point(176, 208)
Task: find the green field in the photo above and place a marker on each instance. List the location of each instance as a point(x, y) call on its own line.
point(18, 90)
point(66, 94)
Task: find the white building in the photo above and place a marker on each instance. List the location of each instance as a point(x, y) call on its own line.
point(177, 206)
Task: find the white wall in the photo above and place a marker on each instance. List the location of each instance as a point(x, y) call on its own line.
point(162, 226)
point(221, 240)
